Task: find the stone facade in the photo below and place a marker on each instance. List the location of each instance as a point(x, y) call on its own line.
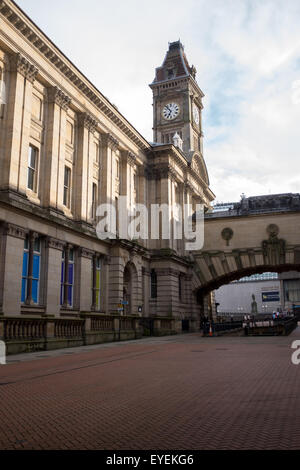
point(65, 149)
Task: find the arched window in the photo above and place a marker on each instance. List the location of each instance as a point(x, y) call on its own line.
point(153, 284)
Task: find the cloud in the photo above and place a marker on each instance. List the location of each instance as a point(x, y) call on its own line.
point(248, 59)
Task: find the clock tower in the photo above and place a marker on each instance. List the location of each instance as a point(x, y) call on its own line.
point(177, 102)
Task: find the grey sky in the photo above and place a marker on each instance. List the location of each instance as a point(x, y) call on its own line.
point(246, 52)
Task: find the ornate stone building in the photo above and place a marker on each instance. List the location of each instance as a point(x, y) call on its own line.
point(65, 149)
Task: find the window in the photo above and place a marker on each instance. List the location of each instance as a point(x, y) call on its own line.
point(96, 278)
point(153, 284)
point(67, 187)
point(31, 271)
point(32, 168)
point(67, 278)
point(94, 200)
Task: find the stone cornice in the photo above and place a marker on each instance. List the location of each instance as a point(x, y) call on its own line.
point(86, 120)
point(47, 48)
point(57, 96)
point(20, 64)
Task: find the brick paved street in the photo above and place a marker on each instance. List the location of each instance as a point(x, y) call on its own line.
point(184, 392)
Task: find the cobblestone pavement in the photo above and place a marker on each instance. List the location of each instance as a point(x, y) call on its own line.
point(182, 392)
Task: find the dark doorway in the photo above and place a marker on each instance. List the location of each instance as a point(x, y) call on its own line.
point(185, 325)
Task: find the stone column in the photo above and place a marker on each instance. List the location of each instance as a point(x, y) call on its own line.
point(109, 146)
point(167, 292)
point(12, 264)
point(58, 104)
point(85, 261)
point(18, 122)
point(165, 198)
point(146, 291)
point(104, 286)
point(53, 276)
point(84, 167)
point(116, 281)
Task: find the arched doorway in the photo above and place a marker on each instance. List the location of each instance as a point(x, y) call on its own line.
point(130, 289)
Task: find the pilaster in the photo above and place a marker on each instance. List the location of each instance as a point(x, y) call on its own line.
point(58, 104)
point(18, 121)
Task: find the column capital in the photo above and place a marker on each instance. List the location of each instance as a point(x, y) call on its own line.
point(58, 97)
point(129, 157)
point(14, 231)
point(20, 64)
point(110, 141)
point(87, 120)
point(86, 253)
point(55, 244)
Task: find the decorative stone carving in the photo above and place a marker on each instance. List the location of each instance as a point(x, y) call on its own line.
point(86, 253)
point(130, 158)
point(273, 248)
point(57, 96)
point(108, 140)
point(227, 234)
point(86, 120)
point(20, 64)
point(55, 244)
point(162, 172)
point(14, 231)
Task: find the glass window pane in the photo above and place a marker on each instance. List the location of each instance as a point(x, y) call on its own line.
point(24, 288)
point(35, 291)
point(26, 244)
point(61, 295)
point(30, 183)
point(97, 299)
point(70, 296)
point(67, 175)
point(25, 265)
point(36, 267)
point(98, 280)
point(71, 273)
point(62, 272)
point(37, 245)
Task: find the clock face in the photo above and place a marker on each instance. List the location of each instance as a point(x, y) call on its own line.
point(170, 111)
point(196, 114)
